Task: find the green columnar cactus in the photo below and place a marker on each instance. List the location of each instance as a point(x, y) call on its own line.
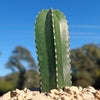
point(52, 46)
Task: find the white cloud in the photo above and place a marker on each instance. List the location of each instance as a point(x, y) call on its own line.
point(85, 37)
point(82, 33)
point(12, 24)
point(85, 26)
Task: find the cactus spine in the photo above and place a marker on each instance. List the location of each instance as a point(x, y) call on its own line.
point(52, 46)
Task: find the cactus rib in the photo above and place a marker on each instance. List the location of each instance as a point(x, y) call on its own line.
point(54, 36)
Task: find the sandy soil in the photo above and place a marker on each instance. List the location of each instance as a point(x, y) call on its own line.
point(69, 93)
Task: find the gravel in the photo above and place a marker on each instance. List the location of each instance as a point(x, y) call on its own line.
point(69, 93)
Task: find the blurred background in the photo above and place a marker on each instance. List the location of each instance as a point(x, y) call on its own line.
point(18, 61)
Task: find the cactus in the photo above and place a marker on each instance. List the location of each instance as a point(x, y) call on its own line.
point(52, 47)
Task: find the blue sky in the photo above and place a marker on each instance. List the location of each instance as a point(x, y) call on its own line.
point(17, 19)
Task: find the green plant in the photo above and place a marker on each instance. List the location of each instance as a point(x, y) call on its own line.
point(5, 86)
point(52, 46)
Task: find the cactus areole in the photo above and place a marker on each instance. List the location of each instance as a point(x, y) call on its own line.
point(52, 46)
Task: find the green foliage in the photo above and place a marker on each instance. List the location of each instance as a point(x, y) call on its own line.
point(52, 43)
point(13, 78)
point(21, 56)
point(10, 82)
point(83, 78)
point(21, 61)
point(86, 66)
point(32, 79)
point(5, 86)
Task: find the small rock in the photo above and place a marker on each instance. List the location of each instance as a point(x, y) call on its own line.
point(97, 95)
point(88, 96)
point(53, 91)
point(65, 98)
point(80, 88)
point(91, 89)
point(6, 96)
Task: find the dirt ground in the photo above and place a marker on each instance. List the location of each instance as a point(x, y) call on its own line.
point(69, 93)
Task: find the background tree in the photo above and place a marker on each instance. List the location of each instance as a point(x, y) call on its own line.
point(21, 61)
point(86, 66)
